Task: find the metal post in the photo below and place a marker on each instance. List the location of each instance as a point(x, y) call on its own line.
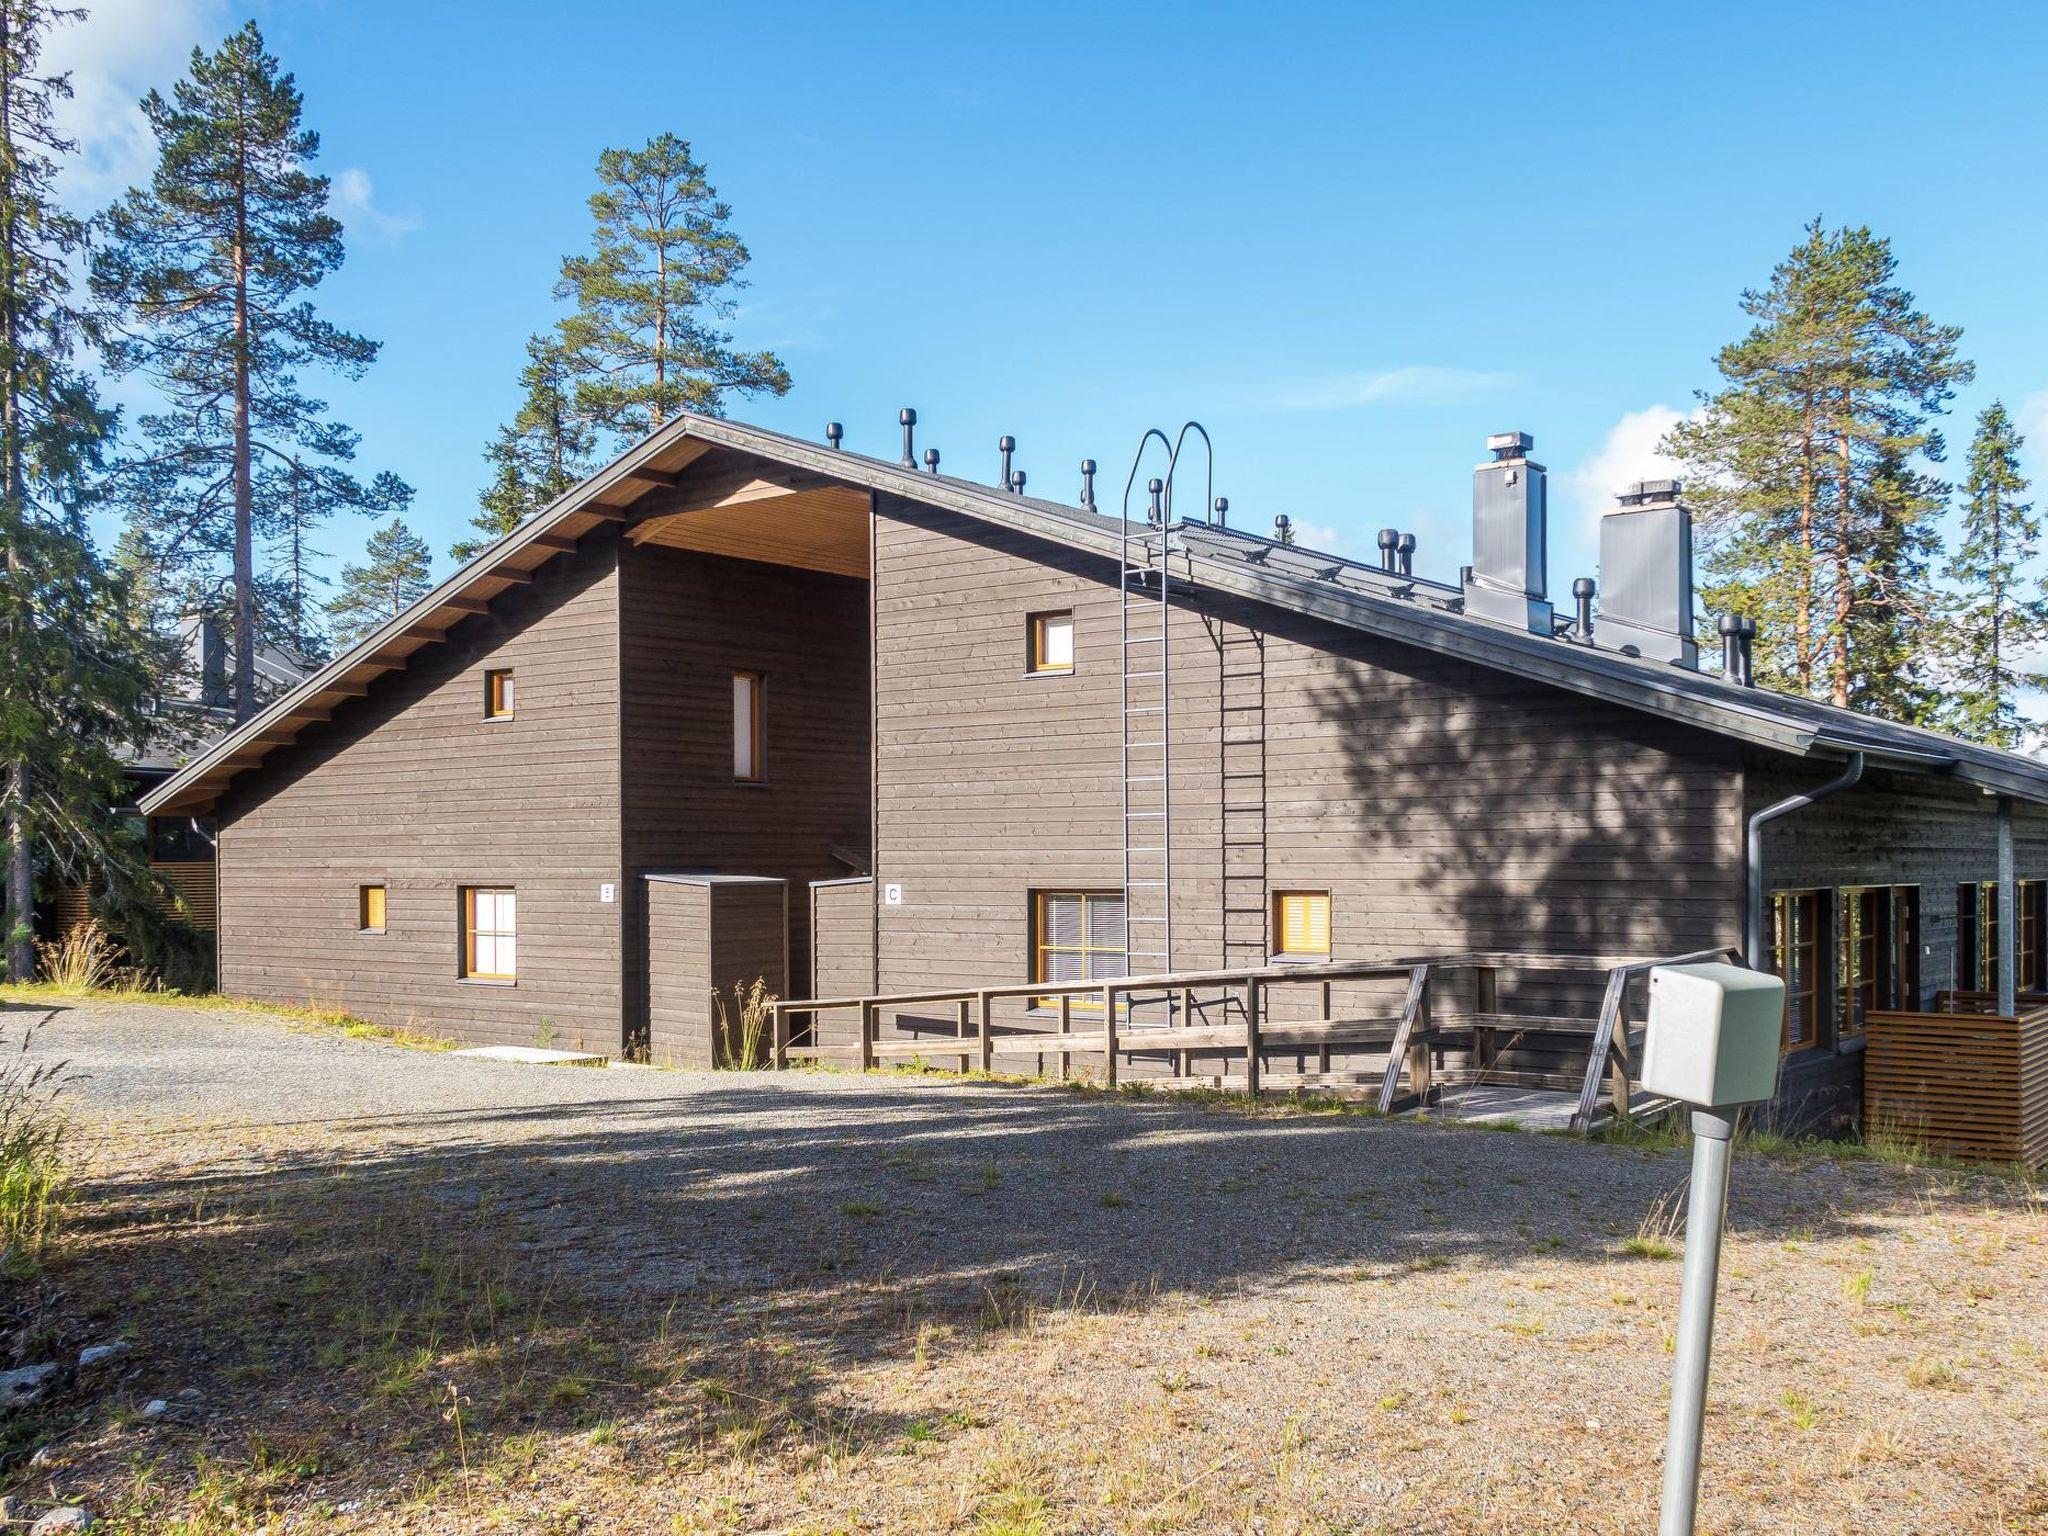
point(1706, 1211)
point(982, 1011)
point(2008, 914)
point(1109, 1037)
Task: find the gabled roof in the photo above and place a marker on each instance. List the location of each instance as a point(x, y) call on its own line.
point(1329, 587)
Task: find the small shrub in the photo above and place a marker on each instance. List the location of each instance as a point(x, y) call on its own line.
point(745, 1047)
point(85, 959)
point(34, 1182)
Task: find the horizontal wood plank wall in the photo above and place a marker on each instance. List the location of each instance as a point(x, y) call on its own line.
point(412, 788)
point(1967, 1085)
point(679, 939)
point(842, 939)
point(690, 621)
point(1445, 806)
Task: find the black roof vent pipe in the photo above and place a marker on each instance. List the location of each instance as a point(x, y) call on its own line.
point(1389, 540)
point(1746, 638)
point(1283, 529)
point(1405, 549)
point(1088, 485)
point(1017, 481)
point(1006, 445)
point(1156, 513)
point(1582, 594)
point(909, 419)
point(1221, 507)
point(1730, 630)
point(931, 460)
point(834, 432)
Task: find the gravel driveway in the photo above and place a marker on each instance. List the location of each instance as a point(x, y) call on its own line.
point(972, 1303)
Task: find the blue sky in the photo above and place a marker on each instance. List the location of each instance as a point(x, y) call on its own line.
point(1351, 240)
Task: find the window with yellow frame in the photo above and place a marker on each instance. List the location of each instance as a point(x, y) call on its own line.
point(490, 933)
point(1301, 924)
point(500, 695)
point(1052, 642)
point(1077, 936)
point(370, 908)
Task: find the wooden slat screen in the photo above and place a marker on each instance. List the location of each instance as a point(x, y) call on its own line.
point(194, 884)
point(1970, 1085)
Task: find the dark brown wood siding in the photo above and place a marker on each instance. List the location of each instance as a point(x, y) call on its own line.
point(690, 620)
point(1444, 806)
point(412, 788)
point(705, 937)
point(842, 938)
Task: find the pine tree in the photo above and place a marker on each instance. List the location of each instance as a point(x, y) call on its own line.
point(546, 449)
point(74, 664)
point(205, 272)
point(1806, 469)
point(1997, 612)
point(645, 340)
point(394, 575)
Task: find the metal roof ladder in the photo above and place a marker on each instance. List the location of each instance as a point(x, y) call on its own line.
point(1144, 637)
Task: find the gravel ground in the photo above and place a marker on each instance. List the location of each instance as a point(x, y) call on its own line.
point(824, 1302)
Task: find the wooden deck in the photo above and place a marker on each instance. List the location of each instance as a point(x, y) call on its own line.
point(1233, 1054)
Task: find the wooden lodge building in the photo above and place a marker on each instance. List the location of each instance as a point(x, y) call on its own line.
point(742, 705)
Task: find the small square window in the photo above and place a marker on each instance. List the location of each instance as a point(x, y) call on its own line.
point(1301, 923)
point(500, 697)
point(1052, 642)
point(746, 727)
point(370, 908)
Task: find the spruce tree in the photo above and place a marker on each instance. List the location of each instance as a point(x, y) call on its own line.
point(1807, 468)
point(206, 273)
point(75, 666)
point(1997, 612)
point(646, 340)
point(546, 449)
point(393, 576)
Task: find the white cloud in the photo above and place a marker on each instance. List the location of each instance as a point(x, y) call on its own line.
point(1346, 391)
point(121, 50)
point(1318, 536)
point(1628, 453)
point(353, 200)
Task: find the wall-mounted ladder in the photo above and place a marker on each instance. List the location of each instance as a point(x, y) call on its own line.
point(1241, 793)
point(1144, 636)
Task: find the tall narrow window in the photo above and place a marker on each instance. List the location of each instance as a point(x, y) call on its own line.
point(499, 694)
point(2031, 894)
point(1905, 946)
point(1052, 642)
point(1078, 936)
point(490, 933)
point(370, 908)
point(1969, 970)
point(1862, 920)
point(1796, 957)
point(1301, 923)
point(746, 727)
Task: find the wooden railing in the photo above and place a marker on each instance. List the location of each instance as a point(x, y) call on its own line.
point(1111, 1029)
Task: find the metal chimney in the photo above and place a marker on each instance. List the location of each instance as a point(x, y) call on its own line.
point(1646, 575)
point(908, 420)
point(1510, 512)
point(1389, 539)
point(205, 658)
point(1005, 445)
point(1404, 553)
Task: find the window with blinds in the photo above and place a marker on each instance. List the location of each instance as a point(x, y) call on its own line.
point(1301, 923)
point(1078, 936)
point(490, 933)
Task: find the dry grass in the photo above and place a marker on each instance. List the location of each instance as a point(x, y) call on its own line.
point(542, 1335)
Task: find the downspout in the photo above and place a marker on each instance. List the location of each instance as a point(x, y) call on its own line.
point(1754, 949)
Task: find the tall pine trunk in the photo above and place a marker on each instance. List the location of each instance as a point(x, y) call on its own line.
point(245, 498)
point(21, 867)
point(1802, 618)
point(1845, 592)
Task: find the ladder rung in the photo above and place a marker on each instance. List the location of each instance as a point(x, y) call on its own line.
point(1145, 778)
point(1145, 674)
point(1146, 815)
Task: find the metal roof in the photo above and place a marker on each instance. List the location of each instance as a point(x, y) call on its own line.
point(1412, 610)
